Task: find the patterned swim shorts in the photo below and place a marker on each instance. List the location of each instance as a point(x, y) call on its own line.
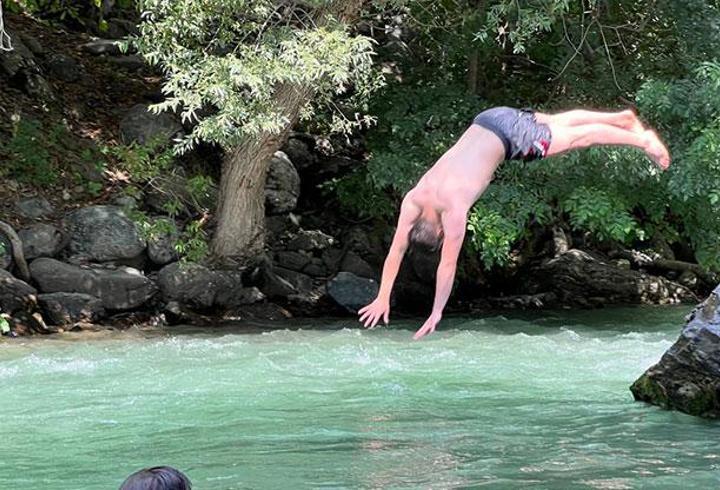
point(523, 137)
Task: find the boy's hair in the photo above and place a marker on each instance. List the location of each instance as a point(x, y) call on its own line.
point(424, 234)
point(157, 478)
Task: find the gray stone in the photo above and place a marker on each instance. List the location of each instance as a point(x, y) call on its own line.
point(275, 286)
point(64, 67)
point(41, 240)
point(233, 297)
point(316, 268)
point(142, 126)
point(101, 46)
point(687, 378)
point(124, 288)
point(299, 153)
point(331, 257)
point(69, 308)
point(34, 207)
point(190, 284)
point(161, 248)
point(282, 187)
point(15, 295)
point(355, 264)
point(352, 292)
point(103, 233)
point(292, 260)
point(302, 283)
point(278, 226)
point(130, 62)
point(310, 240)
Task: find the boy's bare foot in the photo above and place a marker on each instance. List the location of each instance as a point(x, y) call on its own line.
point(635, 125)
point(656, 150)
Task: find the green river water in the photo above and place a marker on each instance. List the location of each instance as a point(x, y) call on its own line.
point(539, 401)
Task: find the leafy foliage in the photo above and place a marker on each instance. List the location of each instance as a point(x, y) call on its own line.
point(225, 61)
point(592, 53)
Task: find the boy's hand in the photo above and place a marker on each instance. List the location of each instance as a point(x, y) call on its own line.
point(428, 326)
point(371, 314)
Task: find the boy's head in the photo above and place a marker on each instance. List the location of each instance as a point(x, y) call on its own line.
point(427, 234)
point(157, 478)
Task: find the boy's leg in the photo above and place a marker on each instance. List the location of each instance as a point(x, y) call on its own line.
point(567, 138)
point(624, 119)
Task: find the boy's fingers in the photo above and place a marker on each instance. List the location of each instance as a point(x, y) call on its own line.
point(386, 317)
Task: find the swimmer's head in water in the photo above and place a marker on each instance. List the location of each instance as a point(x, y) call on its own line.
point(157, 478)
point(427, 234)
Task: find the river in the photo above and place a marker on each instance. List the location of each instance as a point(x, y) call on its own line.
point(501, 401)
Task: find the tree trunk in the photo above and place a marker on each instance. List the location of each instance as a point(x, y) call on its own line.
point(240, 233)
point(473, 74)
point(17, 250)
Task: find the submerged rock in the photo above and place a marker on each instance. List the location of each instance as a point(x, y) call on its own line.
point(687, 378)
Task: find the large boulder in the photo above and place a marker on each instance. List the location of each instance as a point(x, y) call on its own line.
point(191, 284)
point(70, 308)
point(352, 292)
point(142, 126)
point(15, 295)
point(579, 278)
point(282, 187)
point(687, 378)
point(123, 288)
point(103, 233)
point(41, 240)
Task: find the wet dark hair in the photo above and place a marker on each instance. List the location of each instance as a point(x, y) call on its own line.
point(157, 478)
point(424, 234)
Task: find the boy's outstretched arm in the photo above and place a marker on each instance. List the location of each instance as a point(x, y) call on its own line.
point(454, 224)
point(371, 314)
